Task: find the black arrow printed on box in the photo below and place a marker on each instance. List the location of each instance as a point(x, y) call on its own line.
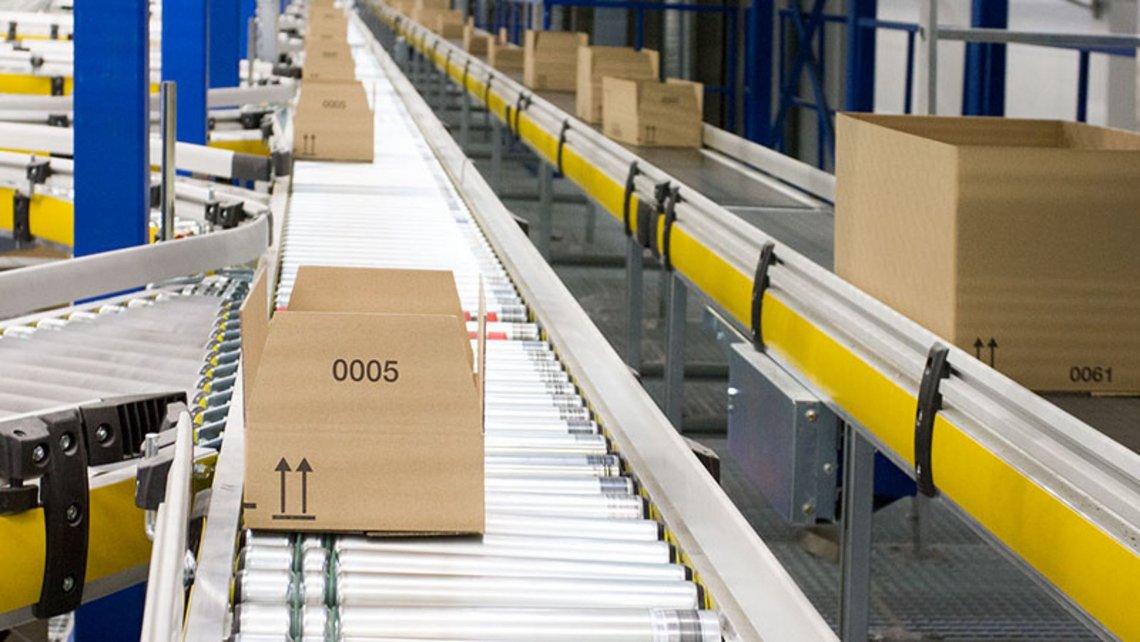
point(978, 345)
point(283, 468)
point(304, 468)
point(993, 346)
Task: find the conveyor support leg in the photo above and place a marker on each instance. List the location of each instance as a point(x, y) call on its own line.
point(675, 349)
point(634, 279)
point(496, 155)
point(855, 536)
point(545, 208)
point(465, 122)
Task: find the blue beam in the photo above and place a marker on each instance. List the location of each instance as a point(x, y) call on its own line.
point(860, 66)
point(984, 83)
point(184, 60)
point(225, 43)
point(112, 125)
point(758, 72)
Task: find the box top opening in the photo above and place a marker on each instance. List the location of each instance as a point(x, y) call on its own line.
point(1007, 132)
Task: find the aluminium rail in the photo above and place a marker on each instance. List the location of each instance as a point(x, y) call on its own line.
point(1064, 498)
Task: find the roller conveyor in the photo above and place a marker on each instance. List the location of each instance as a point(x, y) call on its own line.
point(548, 472)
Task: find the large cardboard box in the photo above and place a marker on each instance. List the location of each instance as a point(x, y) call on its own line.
point(362, 412)
point(550, 59)
point(333, 122)
point(617, 62)
point(504, 56)
point(328, 61)
point(652, 113)
point(449, 25)
point(1013, 239)
point(432, 4)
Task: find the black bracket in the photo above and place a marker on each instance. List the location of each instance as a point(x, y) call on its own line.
point(58, 120)
point(155, 195)
point(57, 85)
point(671, 200)
point(634, 170)
point(647, 217)
point(521, 103)
point(54, 32)
point(252, 119)
point(487, 93)
point(466, 71)
point(562, 142)
point(929, 403)
point(150, 480)
point(760, 285)
point(50, 448)
point(282, 162)
point(114, 428)
point(21, 217)
point(39, 170)
point(11, 31)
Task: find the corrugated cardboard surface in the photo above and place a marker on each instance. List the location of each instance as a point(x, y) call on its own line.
point(474, 40)
point(651, 113)
point(1013, 239)
point(331, 61)
point(504, 56)
point(333, 122)
point(617, 62)
point(397, 452)
point(550, 59)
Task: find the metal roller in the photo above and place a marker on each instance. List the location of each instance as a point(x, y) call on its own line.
point(563, 546)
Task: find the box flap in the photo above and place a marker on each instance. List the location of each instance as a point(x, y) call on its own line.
point(321, 288)
point(255, 326)
point(341, 373)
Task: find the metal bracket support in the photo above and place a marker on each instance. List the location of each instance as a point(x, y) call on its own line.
point(760, 285)
point(929, 403)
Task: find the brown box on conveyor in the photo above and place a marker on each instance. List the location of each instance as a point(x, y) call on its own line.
point(363, 412)
point(1012, 239)
point(333, 122)
point(550, 59)
point(594, 63)
point(652, 113)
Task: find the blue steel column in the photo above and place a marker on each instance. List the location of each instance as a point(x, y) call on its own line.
point(225, 43)
point(860, 85)
point(984, 90)
point(758, 70)
point(184, 60)
point(112, 125)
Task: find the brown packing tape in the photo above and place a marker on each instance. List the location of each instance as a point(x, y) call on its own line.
point(333, 122)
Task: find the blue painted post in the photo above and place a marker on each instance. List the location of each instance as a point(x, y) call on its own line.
point(984, 90)
point(860, 72)
point(112, 125)
point(758, 71)
point(184, 60)
point(225, 43)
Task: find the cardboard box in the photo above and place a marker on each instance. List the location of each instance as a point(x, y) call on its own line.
point(617, 62)
point(450, 25)
point(329, 61)
point(1012, 239)
point(333, 122)
point(652, 113)
point(433, 4)
point(362, 412)
point(474, 40)
point(550, 59)
point(504, 56)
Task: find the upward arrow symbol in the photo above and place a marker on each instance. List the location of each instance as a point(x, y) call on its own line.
point(304, 468)
point(283, 467)
point(978, 345)
point(993, 346)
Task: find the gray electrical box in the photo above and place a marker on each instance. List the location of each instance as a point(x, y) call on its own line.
point(785, 439)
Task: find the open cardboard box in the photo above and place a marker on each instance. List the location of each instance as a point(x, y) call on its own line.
point(1013, 239)
point(550, 59)
point(333, 122)
point(363, 412)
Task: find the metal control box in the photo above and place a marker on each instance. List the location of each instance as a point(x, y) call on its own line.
point(783, 437)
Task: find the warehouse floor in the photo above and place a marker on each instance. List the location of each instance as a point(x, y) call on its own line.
point(955, 586)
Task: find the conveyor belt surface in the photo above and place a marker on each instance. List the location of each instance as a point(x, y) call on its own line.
point(570, 552)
